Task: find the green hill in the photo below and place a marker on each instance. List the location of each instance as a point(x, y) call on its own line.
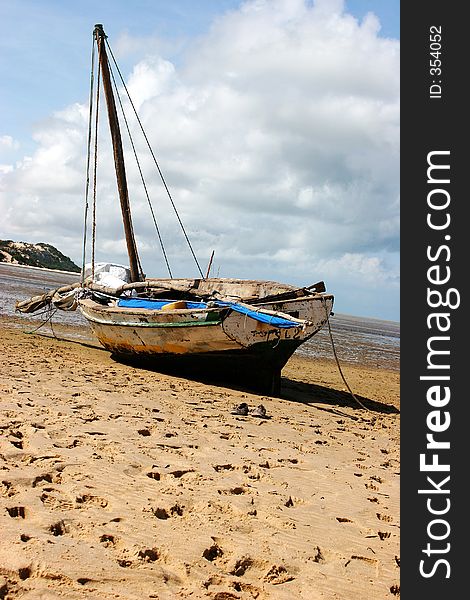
point(35, 255)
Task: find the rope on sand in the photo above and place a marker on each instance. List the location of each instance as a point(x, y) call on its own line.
point(51, 313)
point(340, 370)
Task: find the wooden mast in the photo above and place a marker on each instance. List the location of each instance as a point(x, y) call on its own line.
point(118, 154)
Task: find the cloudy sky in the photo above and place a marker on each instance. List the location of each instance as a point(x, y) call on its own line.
point(275, 124)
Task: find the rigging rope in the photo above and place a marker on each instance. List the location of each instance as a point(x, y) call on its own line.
point(155, 161)
point(95, 168)
point(87, 186)
point(50, 312)
point(339, 366)
point(141, 175)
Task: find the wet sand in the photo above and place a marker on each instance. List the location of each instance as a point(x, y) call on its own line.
point(123, 483)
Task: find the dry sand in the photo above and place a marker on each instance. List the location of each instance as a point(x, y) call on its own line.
point(125, 483)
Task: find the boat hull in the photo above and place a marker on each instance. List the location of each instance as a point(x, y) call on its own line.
point(220, 343)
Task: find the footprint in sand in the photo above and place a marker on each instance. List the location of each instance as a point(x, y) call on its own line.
point(277, 575)
point(385, 518)
point(377, 478)
point(17, 512)
point(236, 491)
point(9, 587)
point(45, 478)
point(123, 562)
point(16, 439)
point(7, 489)
point(108, 540)
point(72, 444)
point(59, 528)
point(180, 472)
point(163, 513)
point(213, 552)
point(131, 558)
point(219, 468)
point(55, 499)
point(242, 565)
point(149, 555)
point(318, 557)
point(87, 500)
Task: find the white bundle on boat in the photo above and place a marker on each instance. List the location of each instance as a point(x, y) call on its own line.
point(109, 275)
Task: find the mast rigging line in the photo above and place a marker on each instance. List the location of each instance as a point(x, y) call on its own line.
point(87, 184)
point(155, 160)
point(141, 175)
point(95, 172)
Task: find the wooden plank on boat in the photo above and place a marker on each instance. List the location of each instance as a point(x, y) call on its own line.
point(296, 293)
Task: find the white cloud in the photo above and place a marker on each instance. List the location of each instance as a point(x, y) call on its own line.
point(8, 148)
point(370, 269)
point(150, 79)
point(7, 142)
point(278, 135)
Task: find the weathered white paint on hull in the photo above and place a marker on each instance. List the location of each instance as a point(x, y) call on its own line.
point(198, 331)
point(311, 308)
point(166, 340)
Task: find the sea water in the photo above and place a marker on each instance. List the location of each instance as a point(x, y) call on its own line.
point(19, 283)
point(357, 340)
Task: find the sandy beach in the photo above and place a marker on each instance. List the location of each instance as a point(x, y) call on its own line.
point(124, 483)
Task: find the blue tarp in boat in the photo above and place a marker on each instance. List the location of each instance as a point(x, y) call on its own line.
point(154, 304)
point(258, 315)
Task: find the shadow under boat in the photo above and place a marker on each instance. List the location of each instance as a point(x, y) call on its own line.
point(254, 383)
point(310, 393)
point(244, 381)
point(251, 370)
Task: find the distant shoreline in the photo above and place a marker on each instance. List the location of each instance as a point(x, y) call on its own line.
point(8, 264)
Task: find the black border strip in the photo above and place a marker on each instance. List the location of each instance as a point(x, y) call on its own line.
point(434, 119)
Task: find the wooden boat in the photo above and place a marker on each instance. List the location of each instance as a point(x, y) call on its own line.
point(228, 329)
